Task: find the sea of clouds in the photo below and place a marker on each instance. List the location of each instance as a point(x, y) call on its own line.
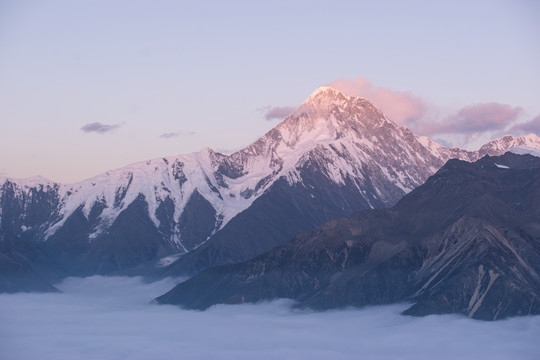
point(113, 318)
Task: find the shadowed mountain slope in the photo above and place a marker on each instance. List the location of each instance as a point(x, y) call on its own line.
point(467, 241)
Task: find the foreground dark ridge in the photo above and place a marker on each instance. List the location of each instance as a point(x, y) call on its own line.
point(467, 242)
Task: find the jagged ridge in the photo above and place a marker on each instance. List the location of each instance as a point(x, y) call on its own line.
point(336, 142)
point(464, 242)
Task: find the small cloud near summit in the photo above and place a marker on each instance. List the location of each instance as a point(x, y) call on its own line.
point(532, 126)
point(100, 128)
point(484, 117)
point(400, 107)
point(276, 112)
point(470, 123)
point(474, 119)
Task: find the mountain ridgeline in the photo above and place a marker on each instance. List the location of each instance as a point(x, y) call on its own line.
point(467, 241)
point(334, 156)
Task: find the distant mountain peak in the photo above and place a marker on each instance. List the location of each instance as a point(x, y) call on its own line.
point(328, 109)
point(507, 142)
point(325, 95)
point(532, 137)
point(323, 99)
point(325, 91)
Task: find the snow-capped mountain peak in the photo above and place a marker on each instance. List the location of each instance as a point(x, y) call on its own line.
point(507, 142)
point(325, 95)
point(34, 181)
point(326, 101)
point(331, 141)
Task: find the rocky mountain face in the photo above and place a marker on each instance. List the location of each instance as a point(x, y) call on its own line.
point(25, 267)
point(333, 156)
point(467, 242)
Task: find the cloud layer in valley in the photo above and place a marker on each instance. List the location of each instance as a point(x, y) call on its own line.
point(111, 318)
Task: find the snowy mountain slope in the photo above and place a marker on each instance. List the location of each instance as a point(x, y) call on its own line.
point(465, 242)
point(521, 150)
point(358, 152)
point(332, 144)
point(28, 205)
point(508, 142)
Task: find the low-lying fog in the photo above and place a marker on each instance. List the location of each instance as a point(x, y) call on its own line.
point(111, 318)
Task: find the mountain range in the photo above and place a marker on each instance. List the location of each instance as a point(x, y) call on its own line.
point(335, 155)
point(467, 241)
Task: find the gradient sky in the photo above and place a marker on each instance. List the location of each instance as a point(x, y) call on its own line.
point(88, 86)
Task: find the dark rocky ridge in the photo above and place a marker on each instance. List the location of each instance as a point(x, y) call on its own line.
point(131, 240)
point(467, 242)
point(25, 267)
point(282, 212)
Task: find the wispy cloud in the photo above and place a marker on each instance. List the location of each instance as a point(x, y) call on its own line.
point(100, 128)
point(532, 126)
point(473, 119)
point(463, 127)
point(170, 135)
point(276, 112)
point(401, 107)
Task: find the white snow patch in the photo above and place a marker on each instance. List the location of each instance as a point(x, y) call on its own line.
point(168, 260)
point(524, 150)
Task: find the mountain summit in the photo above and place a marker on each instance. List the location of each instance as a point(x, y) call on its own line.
point(333, 156)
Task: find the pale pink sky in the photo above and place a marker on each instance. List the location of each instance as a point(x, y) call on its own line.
point(91, 86)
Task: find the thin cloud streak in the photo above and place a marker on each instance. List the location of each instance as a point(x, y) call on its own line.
point(171, 135)
point(100, 128)
point(112, 317)
point(485, 117)
point(474, 119)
